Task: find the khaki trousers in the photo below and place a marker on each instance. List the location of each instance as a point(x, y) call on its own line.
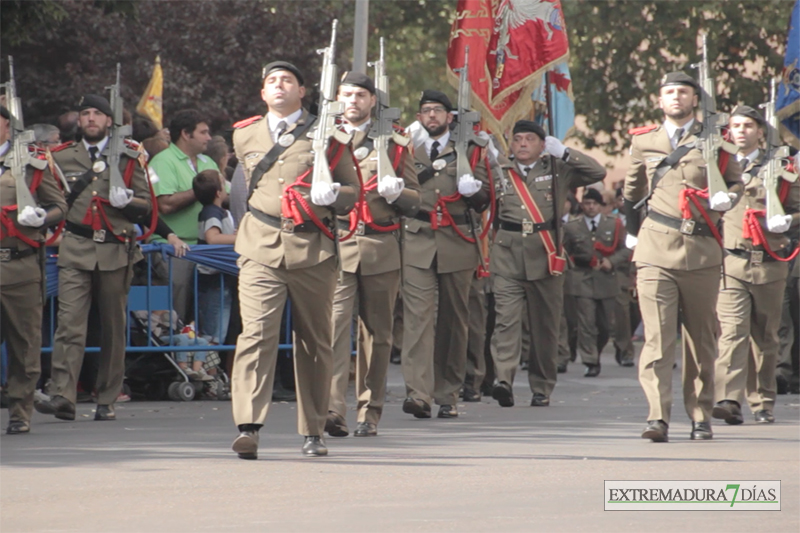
point(661, 293)
point(376, 297)
point(434, 356)
point(263, 292)
point(476, 338)
point(593, 317)
point(76, 290)
point(749, 317)
point(623, 338)
point(21, 330)
point(543, 300)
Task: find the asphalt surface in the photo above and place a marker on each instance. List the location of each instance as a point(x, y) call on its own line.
point(167, 466)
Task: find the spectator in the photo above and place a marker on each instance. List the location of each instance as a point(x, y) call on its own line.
point(215, 226)
point(218, 151)
point(67, 124)
point(176, 167)
point(46, 135)
point(143, 128)
point(161, 322)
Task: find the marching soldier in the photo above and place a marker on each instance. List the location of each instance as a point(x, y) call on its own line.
point(371, 265)
point(95, 258)
point(22, 273)
point(596, 244)
point(287, 251)
point(526, 264)
point(751, 295)
point(677, 256)
point(440, 257)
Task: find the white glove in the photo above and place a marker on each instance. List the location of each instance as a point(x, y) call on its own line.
point(779, 223)
point(33, 217)
point(468, 185)
point(490, 147)
point(417, 133)
point(390, 188)
point(631, 241)
point(120, 197)
point(554, 147)
point(324, 194)
point(721, 201)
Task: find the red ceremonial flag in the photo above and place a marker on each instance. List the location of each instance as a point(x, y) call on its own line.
point(512, 43)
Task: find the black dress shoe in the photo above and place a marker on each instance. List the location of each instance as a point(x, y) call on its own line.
point(627, 362)
point(592, 371)
point(503, 394)
point(539, 400)
point(486, 388)
point(447, 411)
point(701, 431)
point(282, 394)
point(416, 407)
point(471, 395)
point(524, 365)
point(618, 356)
point(105, 412)
point(394, 358)
point(59, 406)
point(16, 427)
point(562, 369)
point(336, 426)
point(366, 429)
point(764, 416)
point(246, 445)
point(729, 411)
point(782, 384)
point(656, 431)
point(314, 446)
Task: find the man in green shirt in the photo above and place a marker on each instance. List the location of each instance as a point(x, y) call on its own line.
point(176, 167)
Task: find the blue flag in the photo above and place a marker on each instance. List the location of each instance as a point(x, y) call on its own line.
point(787, 106)
point(563, 103)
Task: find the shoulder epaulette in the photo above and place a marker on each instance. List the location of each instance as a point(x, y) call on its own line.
point(62, 146)
point(642, 129)
point(247, 121)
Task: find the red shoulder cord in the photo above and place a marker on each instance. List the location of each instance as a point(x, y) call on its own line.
point(293, 201)
point(441, 205)
point(752, 227)
point(7, 226)
point(604, 250)
point(361, 211)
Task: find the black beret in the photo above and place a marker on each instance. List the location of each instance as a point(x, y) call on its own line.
point(95, 101)
point(359, 80)
point(749, 112)
point(679, 78)
point(593, 194)
point(429, 95)
point(282, 65)
point(531, 126)
point(4, 113)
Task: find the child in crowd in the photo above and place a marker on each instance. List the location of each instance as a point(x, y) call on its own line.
point(215, 226)
point(165, 321)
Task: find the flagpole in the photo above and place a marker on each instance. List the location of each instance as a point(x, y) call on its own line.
point(360, 30)
point(548, 100)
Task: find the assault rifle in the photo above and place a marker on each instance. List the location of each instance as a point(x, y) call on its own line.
point(774, 160)
point(116, 142)
point(383, 129)
point(711, 138)
point(20, 155)
point(465, 134)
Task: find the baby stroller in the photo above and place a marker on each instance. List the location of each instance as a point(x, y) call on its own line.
point(162, 377)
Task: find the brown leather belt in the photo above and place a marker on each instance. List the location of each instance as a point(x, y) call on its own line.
point(685, 226)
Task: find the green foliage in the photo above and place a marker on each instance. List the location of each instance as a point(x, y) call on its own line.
point(621, 48)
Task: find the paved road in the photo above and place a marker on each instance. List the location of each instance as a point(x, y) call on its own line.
point(168, 467)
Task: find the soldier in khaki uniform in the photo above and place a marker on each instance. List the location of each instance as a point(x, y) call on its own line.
point(22, 275)
point(751, 294)
point(95, 258)
point(677, 258)
point(371, 265)
point(437, 257)
point(525, 273)
point(286, 252)
point(596, 244)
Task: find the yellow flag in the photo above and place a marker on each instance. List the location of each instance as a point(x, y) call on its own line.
point(150, 104)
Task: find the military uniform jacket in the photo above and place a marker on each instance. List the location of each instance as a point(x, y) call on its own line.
point(583, 280)
point(422, 243)
point(47, 194)
point(733, 224)
point(524, 257)
point(271, 246)
point(80, 252)
point(377, 253)
point(660, 245)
